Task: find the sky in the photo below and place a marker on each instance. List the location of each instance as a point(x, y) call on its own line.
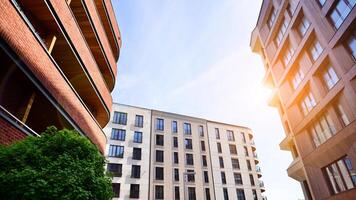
point(193, 57)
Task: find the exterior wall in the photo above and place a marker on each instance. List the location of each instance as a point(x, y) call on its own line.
point(311, 159)
point(128, 144)
point(228, 169)
point(9, 134)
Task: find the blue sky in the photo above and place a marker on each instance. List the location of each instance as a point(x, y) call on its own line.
point(193, 57)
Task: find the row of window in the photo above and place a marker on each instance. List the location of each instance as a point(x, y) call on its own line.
point(232, 148)
point(134, 190)
point(121, 118)
point(116, 170)
point(159, 193)
point(120, 134)
point(118, 152)
point(188, 143)
point(187, 127)
point(229, 135)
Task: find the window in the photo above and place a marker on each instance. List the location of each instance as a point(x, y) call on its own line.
point(351, 44)
point(174, 127)
point(115, 169)
point(159, 124)
point(175, 142)
point(322, 2)
point(254, 194)
point(191, 193)
point(136, 153)
point(201, 131)
point(116, 151)
point(118, 134)
point(159, 173)
point(159, 140)
point(248, 165)
point(159, 192)
point(219, 147)
point(341, 114)
point(252, 180)
point(187, 128)
point(221, 162)
point(190, 175)
point(340, 12)
point(297, 78)
point(137, 137)
point(206, 177)
point(235, 163)
point(189, 159)
point(232, 149)
point(330, 77)
point(176, 193)
point(176, 174)
point(238, 178)
point(217, 133)
point(116, 189)
point(287, 55)
point(175, 158)
point(204, 161)
point(243, 137)
point(246, 151)
point(281, 32)
point(240, 194)
point(223, 178)
point(188, 143)
point(303, 26)
point(226, 194)
point(292, 7)
point(159, 156)
point(120, 118)
point(230, 135)
point(338, 175)
point(139, 121)
point(207, 194)
point(202, 145)
point(135, 171)
point(134, 191)
point(307, 103)
point(322, 129)
point(272, 18)
point(315, 50)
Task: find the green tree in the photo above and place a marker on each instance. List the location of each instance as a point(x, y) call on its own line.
point(58, 165)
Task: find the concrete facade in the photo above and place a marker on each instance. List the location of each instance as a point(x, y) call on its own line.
point(308, 50)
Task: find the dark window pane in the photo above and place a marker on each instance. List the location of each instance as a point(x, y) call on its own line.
point(134, 191)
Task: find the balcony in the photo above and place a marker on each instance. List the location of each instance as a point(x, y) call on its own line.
point(295, 170)
point(285, 144)
point(253, 145)
point(262, 186)
point(258, 170)
point(256, 158)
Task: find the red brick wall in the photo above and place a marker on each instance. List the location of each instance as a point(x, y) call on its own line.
point(9, 133)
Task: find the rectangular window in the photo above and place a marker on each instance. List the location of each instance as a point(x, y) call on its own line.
point(159, 140)
point(243, 137)
point(115, 169)
point(226, 194)
point(159, 173)
point(235, 163)
point(134, 191)
point(136, 153)
point(202, 145)
point(351, 44)
point(240, 194)
point(188, 143)
point(219, 147)
point(281, 32)
point(221, 162)
point(205, 163)
point(292, 7)
point(139, 121)
point(159, 124)
point(135, 171)
point(248, 165)
point(223, 178)
point(191, 193)
point(116, 151)
point(190, 175)
point(189, 159)
point(174, 127)
point(159, 156)
point(175, 142)
point(315, 50)
point(252, 180)
point(340, 175)
point(330, 77)
point(340, 11)
point(217, 133)
point(116, 189)
point(254, 194)
point(233, 149)
point(118, 134)
point(246, 151)
point(120, 118)
point(287, 55)
point(341, 114)
point(206, 177)
point(322, 129)
point(207, 194)
point(238, 178)
point(187, 128)
point(297, 78)
point(303, 26)
point(176, 193)
point(176, 174)
point(201, 131)
point(272, 18)
point(307, 103)
point(137, 137)
point(230, 135)
point(159, 192)
point(175, 158)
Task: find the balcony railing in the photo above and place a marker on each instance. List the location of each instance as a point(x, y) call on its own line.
point(258, 169)
point(255, 155)
point(262, 184)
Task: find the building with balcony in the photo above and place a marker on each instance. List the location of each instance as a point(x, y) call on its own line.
point(58, 67)
point(160, 155)
point(308, 50)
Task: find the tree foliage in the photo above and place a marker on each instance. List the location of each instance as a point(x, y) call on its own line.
point(58, 165)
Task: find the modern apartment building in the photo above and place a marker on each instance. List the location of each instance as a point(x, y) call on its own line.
point(160, 155)
point(309, 53)
point(58, 67)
